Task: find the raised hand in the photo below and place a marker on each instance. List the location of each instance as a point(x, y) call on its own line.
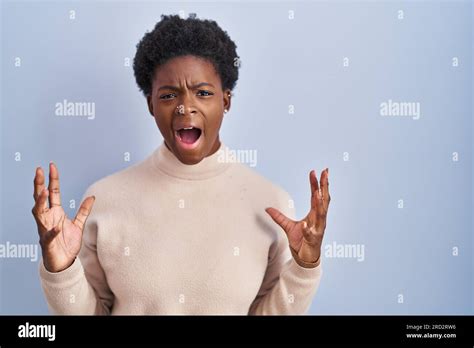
point(306, 236)
point(59, 237)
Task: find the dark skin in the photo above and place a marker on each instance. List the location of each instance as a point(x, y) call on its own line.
point(193, 84)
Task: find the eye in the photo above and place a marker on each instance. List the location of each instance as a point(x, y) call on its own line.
point(204, 91)
point(166, 96)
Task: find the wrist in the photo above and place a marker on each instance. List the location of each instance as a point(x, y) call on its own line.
point(303, 263)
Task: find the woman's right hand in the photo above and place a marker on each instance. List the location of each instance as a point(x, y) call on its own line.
point(59, 237)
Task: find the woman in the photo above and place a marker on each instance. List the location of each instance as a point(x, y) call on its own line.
point(182, 232)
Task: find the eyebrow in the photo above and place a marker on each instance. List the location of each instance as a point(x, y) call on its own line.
point(192, 87)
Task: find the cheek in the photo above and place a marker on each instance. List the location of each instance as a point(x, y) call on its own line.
point(217, 115)
point(164, 124)
point(162, 114)
point(215, 121)
point(219, 121)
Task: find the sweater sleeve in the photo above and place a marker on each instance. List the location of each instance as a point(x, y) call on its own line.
point(287, 287)
point(81, 288)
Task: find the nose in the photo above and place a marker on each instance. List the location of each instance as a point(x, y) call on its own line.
point(186, 106)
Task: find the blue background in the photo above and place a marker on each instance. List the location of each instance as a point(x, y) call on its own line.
point(284, 62)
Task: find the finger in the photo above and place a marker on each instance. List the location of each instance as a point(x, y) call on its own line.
point(325, 188)
point(320, 212)
point(38, 183)
point(41, 204)
point(84, 211)
point(314, 188)
point(54, 194)
point(284, 222)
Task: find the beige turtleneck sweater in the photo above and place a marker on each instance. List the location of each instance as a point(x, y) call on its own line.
point(164, 237)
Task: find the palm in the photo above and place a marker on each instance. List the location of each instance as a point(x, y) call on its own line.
point(305, 236)
point(60, 237)
point(296, 233)
point(68, 241)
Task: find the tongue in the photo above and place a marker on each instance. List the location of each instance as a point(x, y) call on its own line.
point(189, 136)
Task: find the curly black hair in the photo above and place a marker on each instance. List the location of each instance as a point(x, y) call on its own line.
point(174, 36)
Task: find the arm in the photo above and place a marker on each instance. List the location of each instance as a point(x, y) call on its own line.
point(82, 287)
point(288, 287)
point(294, 268)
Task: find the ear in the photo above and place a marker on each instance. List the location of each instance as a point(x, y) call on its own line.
point(227, 99)
point(150, 105)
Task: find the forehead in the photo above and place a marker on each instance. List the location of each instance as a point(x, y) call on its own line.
point(189, 68)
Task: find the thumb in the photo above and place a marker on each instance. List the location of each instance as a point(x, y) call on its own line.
point(83, 213)
point(284, 222)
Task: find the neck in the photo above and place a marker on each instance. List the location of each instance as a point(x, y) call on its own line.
point(212, 165)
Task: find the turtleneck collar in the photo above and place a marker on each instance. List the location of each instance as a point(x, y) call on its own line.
point(163, 159)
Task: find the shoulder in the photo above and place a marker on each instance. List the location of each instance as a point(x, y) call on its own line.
point(262, 189)
point(116, 185)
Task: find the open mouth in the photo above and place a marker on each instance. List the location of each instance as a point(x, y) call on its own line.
point(189, 135)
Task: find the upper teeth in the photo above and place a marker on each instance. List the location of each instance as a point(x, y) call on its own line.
point(188, 128)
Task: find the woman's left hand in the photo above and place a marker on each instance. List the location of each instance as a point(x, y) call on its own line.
point(305, 237)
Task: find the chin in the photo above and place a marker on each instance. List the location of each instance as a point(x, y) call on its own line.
point(188, 156)
point(190, 159)
point(190, 153)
